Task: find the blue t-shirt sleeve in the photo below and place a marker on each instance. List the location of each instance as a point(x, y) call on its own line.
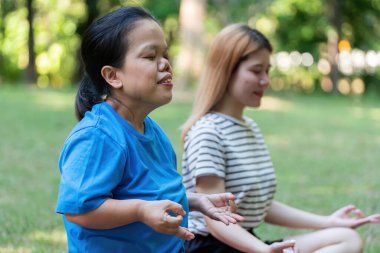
point(91, 166)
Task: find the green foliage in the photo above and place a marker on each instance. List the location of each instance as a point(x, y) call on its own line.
point(290, 25)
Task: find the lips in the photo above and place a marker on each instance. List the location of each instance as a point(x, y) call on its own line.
point(259, 93)
point(166, 80)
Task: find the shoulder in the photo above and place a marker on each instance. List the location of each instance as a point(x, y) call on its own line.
point(209, 125)
point(98, 125)
point(253, 125)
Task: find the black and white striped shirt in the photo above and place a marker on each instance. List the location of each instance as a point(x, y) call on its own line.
point(222, 146)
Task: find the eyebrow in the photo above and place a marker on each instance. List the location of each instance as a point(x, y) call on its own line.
point(259, 65)
point(154, 47)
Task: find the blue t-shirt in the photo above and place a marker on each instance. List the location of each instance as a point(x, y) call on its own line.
point(105, 157)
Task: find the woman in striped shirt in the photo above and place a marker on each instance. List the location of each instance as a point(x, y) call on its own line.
point(225, 151)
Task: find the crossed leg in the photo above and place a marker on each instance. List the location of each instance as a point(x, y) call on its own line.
point(330, 240)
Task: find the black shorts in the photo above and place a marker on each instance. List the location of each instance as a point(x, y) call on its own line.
point(209, 244)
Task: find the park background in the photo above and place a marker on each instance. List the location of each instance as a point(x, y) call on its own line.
point(320, 117)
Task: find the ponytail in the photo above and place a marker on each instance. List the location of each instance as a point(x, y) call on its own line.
point(87, 96)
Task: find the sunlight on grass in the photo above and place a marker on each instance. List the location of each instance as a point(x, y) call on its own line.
point(360, 112)
point(15, 250)
point(49, 237)
point(54, 100)
point(275, 104)
point(375, 114)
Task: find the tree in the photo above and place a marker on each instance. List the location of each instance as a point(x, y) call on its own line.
point(190, 58)
point(31, 74)
point(334, 12)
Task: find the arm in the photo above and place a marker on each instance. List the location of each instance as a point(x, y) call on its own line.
point(114, 213)
point(283, 215)
point(234, 235)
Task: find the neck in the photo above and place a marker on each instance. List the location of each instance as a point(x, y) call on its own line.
point(125, 112)
point(229, 107)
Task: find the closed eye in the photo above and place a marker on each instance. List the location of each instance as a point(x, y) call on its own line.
point(150, 57)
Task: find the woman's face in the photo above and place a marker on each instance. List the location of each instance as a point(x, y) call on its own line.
point(146, 74)
point(250, 79)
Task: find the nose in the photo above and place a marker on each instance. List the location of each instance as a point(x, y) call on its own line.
point(164, 65)
point(264, 81)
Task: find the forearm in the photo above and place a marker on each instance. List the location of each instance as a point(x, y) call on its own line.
point(283, 215)
point(112, 213)
point(236, 237)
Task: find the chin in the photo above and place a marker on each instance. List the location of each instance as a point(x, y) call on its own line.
point(166, 100)
point(255, 104)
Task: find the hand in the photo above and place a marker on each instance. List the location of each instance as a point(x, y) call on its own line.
point(350, 216)
point(284, 247)
point(156, 215)
point(220, 207)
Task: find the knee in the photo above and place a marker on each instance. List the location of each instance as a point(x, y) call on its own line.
point(353, 240)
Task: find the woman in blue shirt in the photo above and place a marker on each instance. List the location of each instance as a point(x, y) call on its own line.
point(119, 189)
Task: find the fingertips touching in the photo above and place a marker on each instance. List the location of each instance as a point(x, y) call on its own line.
point(230, 196)
point(358, 213)
point(174, 220)
point(176, 208)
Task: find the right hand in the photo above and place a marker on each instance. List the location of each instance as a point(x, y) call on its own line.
point(343, 217)
point(156, 215)
point(283, 247)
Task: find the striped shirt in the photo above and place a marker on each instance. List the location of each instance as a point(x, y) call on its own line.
point(222, 146)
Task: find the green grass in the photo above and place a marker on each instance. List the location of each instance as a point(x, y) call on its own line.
point(325, 151)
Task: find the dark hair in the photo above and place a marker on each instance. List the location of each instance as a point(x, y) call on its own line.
point(105, 42)
point(257, 36)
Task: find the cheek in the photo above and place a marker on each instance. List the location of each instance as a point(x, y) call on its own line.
point(245, 82)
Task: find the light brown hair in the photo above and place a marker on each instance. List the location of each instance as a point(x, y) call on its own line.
point(231, 46)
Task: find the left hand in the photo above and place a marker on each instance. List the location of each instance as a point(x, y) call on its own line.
point(220, 206)
point(343, 217)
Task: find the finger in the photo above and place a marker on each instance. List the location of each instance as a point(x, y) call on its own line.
point(348, 208)
point(228, 196)
point(374, 218)
point(236, 217)
point(172, 221)
point(358, 213)
point(232, 217)
point(175, 207)
point(232, 207)
point(184, 234)
point(283, 245)
point(222, 218)
point(222, 199)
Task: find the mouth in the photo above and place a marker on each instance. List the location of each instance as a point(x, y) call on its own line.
point(259, 93)
point(166, 80)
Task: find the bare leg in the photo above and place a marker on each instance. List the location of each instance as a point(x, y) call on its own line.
point(330, 240)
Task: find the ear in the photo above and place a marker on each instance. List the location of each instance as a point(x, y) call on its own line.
point(109, 74)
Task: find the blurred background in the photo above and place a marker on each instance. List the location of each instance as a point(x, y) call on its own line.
point(320, 117)
point(322, 45)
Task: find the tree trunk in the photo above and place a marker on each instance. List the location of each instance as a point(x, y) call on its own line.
point(190, 58)
point(335, 15)
point(31, 74)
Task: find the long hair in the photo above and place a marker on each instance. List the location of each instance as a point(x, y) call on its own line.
point(229, 48)
point(105, 42)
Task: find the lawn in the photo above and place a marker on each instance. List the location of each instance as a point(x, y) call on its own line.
point(325, 151)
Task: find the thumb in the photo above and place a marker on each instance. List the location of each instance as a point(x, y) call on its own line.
point(175, 208)
point(283, 245)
